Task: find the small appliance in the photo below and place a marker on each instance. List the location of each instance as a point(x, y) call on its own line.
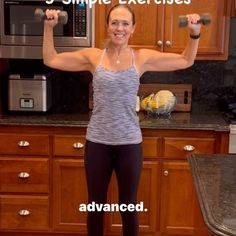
point(29, 94)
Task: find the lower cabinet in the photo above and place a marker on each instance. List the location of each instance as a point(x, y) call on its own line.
point(148, 201)
point(41, 191)
point(28, 213)
point(178, 199)
point(69, 191)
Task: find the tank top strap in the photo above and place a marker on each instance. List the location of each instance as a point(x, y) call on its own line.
point(102, 56)
point(133, 58)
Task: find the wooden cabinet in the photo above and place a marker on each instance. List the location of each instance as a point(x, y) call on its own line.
point(24, 212)
point(69, 191)
point(43, 182)
point(178, 198)
point(69, 183)
point(233, 8)
point(182, 147)
point(24, 182)
point(157, 27)
point(149, 189)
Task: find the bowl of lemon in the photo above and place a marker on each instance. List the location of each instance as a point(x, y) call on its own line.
point(159, 104)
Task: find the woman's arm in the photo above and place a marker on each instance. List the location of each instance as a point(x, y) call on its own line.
point(152, 60)
point(68, 61)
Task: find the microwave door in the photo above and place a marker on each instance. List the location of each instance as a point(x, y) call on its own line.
point(20, 28)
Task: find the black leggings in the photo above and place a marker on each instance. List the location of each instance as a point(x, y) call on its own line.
point(100, 161)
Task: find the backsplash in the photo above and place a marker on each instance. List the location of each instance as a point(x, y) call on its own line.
point(212, 83)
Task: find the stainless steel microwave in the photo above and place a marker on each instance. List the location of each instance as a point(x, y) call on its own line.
point(21, 34)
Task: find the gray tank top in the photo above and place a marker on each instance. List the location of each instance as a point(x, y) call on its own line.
point(114, 120)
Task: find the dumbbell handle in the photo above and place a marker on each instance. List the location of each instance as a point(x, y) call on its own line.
point(39, 15)
point(205, 19)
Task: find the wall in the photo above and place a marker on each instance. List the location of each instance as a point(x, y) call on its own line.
point(214, 82)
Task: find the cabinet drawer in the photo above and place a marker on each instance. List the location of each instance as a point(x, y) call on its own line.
point(184, 147)
point(28, 175)
point(24, 212)
point(150, 147)
point(23, 144)
point(68, 145)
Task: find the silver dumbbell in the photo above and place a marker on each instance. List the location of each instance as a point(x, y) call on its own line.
point(39, 15)
point(205, 19)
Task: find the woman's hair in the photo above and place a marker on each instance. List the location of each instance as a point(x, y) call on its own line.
point(124, 6)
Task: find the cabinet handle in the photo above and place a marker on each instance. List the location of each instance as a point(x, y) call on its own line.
point(23, 143)
point(24, 212)
point(168, 43)
point(189, 148)
point(78, 145)
point(166, 172)
point(159, 43)
point(23, 175)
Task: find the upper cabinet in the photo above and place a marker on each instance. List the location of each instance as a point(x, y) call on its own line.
point(157, 27)
point(233, 8)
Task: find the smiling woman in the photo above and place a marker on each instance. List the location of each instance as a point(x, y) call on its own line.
point(114, 139)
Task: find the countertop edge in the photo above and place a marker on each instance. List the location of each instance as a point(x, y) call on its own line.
point(213, 226)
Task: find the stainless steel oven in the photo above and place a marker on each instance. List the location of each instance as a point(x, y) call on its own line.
point(232, 139)
point(21, 34)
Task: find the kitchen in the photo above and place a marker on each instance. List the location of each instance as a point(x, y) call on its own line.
point(65, 125)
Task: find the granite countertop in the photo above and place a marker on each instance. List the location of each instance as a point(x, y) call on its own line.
point(215, 181)
point(178, 120)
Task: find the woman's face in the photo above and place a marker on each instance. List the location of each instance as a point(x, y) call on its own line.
point(120, 26)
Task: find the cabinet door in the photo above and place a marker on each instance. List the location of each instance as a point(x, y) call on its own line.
point(69, 191)
point(149, 27)
point(157, 27)
point(24, 175)
point(180, 213)
point(21, 212)
point(181, 148)
point(177, 199)
point(214, 37)
point(147, 195)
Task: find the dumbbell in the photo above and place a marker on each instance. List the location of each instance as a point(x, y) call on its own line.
point(39, 15)
point(205, 19)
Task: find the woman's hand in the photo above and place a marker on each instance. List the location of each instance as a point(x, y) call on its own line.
point(51, 17)
point(194, 27)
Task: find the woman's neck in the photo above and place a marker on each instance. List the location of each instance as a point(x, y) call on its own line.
point(117, 51)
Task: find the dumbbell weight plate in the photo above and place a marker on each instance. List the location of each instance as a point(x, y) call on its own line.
point(39, 16)
point(205, 20)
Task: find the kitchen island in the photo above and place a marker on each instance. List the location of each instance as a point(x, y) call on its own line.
point(215, 181)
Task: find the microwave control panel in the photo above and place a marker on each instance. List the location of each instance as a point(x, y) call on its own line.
point(80, 20)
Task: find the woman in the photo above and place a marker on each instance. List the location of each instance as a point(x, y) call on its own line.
point(113, 139)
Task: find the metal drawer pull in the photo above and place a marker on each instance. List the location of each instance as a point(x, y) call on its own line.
point(168, 43)
point(78, 145)
point(159, 43)
point(166, 172)
point(24, 212)
point(23, 175)
point(189, 148)
point(23, 143)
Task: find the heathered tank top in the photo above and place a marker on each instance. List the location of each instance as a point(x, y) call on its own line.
point(114, 120)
